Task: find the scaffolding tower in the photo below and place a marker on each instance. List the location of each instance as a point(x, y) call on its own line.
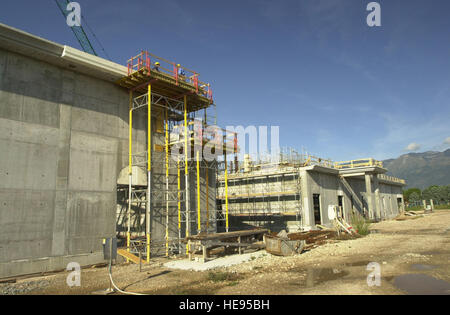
point(173, 97)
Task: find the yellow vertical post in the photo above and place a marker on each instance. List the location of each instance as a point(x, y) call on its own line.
point(149, 170)
point(185, 137)
point(130, 169)
point(199, 223)
point(167, 180)
point(207, 198)
point(226, 193)
point(179, 202)
point(186, 172)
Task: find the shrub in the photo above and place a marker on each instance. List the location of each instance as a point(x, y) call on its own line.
point(219, 276)
point(360, 224)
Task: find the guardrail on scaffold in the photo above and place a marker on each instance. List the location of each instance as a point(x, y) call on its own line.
point(358, 163)
point(391, 178)
point(206, 134)
point(146, 60)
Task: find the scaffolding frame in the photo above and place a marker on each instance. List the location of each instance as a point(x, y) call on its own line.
point(163, 195)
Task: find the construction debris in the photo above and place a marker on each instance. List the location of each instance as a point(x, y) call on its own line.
point(316, 238)
point(283, 246)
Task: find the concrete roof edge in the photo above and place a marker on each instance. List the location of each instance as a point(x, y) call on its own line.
point(320, 168)
point(15, 40)
point(79, 57)
point(364, 169)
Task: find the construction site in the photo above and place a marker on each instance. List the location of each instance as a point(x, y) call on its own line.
point(94, 152)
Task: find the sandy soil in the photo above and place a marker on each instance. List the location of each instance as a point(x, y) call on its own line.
point(414, 246)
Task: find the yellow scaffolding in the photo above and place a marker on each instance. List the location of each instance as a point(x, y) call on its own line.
point(199, 223)
point(180, 97)
point(149, 171)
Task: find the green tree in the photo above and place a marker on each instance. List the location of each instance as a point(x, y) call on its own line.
point(407, 194)
point(414, 197)
point(439, 194)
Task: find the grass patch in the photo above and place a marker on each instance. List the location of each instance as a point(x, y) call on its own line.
point(219, 276)
point(360, 224)
point(233, 283)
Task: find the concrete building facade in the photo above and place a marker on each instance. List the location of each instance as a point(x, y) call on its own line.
point(64, 150)
point(297, 196)
point(63, 140)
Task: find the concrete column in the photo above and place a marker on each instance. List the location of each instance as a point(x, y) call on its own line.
point(369, 195)
point(62, 178)
point(378, 206)
point(424, 204)
point(307, 204)
point(432, 204)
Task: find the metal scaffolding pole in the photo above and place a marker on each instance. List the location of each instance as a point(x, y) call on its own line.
point(186, 172)
point(130, 171)
point(179, 205)
point(167, 179)
point(199, 223)
point(207, 196)
point(226, 193)
point(149, 173)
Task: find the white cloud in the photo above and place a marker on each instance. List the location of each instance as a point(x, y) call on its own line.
point(412, 147)
point(447, 140)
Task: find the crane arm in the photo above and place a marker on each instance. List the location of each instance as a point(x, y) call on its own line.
point(79, 32)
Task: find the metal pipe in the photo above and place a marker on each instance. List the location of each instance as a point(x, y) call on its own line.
point(207, 197)
point(179, 204)
point(167, 179)
point(149, 171)
point(130, 169)
point(199, 223)
point(186, 172)
point(226, 193)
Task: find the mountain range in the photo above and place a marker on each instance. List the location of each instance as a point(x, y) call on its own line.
point(421, 170)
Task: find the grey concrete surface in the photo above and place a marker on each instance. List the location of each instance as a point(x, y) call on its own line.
point(61, 148)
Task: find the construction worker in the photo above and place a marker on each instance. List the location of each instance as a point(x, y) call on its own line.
point(156, 66)
point(181, 73)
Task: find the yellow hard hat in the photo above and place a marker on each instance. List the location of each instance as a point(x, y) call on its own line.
point(157, 63)
point(178, 65)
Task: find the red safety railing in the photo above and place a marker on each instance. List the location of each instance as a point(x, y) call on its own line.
point(146, 60)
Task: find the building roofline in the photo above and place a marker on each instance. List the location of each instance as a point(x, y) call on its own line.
point(64, 56)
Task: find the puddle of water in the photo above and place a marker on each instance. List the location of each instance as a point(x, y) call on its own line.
point(423, 267)
point(420, 284)
point(358, 264)
point(317, 276)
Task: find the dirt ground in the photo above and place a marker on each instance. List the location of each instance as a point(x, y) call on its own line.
point(405, 251)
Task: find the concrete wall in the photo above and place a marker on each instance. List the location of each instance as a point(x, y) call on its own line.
point(63, 140)
point(326, 186)
point(330, 188)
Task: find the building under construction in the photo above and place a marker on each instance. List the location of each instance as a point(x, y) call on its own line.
point(87, 152)
point(293, 191)
point(90, 150)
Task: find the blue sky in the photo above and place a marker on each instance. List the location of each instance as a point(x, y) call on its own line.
point(335, 86)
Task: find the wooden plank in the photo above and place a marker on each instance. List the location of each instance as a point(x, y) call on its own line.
point(227, 235)
point(129, 256)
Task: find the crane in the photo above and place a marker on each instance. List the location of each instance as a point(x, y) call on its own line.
point(79, 32)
